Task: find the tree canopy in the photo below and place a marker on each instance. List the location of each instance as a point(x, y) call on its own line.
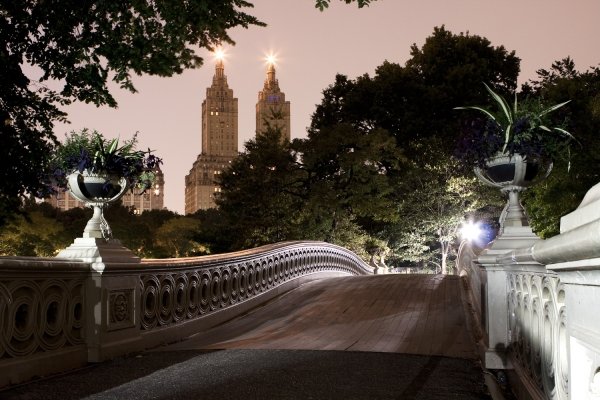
point(416, 101)
point(570, 180)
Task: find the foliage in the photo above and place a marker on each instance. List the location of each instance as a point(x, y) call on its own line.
point(90, 151)
point(45, 230)
point(261, 192)
point(350, 177)
point(415, 101)
point(517, 129)
point(414, 104)
point(323, 4)
point(34, 235)
point(175, 238)
point(562, 192)
point(436, 201)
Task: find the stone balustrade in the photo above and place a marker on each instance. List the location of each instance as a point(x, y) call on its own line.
point(537, 306)
point(60, 314)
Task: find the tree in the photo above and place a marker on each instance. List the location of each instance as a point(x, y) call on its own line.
point(349, 178)
point(261, 192)
point(436, 201)
point(564, 189)
point(175, 238)
point(128, 228)
point(416, 101)
point(81, 45)
point(33, 235)
point(323, 4)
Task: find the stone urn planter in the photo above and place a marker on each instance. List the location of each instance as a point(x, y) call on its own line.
point(513, 171)
point(97, 171)
point(513, 174)
point(96, 191)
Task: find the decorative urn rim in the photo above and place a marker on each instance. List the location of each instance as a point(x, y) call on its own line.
point(517, 171)
point(96, 187)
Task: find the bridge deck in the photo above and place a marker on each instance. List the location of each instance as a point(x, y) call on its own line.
point(413, 314)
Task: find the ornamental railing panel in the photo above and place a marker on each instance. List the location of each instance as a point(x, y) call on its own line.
point(173, 291)
point(537, 331)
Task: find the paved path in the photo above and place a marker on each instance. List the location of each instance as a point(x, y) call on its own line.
point(390, 337)
point(411, 314)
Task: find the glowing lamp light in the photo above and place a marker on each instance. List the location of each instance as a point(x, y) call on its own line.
point(219, 54)
point(271, 59)
point(471, 231)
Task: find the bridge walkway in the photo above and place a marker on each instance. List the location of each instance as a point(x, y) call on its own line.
point(410, 314)
point(388, 336)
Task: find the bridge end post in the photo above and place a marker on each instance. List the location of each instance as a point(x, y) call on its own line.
point(514, 233)
point(111, 296)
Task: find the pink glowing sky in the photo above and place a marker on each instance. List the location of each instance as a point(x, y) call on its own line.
point(311, 47)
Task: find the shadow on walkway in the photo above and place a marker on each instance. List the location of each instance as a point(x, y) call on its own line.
point(266, 374)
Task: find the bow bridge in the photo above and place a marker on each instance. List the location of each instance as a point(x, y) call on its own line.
point(525, 307)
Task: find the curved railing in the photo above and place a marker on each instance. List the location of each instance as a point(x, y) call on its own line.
point(178, 290)
point(57, 314)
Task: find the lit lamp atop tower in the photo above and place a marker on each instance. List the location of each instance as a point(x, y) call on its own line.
point(272, 111)
point(219, 64)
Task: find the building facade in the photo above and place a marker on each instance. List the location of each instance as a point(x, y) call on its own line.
point(219, 143)
point(272, 110)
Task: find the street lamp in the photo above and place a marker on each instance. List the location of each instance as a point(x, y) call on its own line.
point(471, 231)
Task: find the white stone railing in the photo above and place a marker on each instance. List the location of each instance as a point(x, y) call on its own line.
point(61, 314)
point(539, 306)
point(537, 330)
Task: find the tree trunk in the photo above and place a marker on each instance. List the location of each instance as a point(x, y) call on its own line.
point(444, 248)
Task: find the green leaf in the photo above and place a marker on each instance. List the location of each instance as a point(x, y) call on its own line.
point(506, 137)
point(486, 112)
point(503, 104)
point(113, 146)
point(561, 130)
point(555, 107)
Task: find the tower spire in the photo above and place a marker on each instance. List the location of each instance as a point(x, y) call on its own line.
point(219, 66)
point(271, 83)
point(271, 73)
point(219, 69)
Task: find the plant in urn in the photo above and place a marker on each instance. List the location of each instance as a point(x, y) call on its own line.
point(98, 172)
point(512, 149)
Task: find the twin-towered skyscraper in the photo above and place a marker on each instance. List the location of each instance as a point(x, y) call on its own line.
point(220, 133)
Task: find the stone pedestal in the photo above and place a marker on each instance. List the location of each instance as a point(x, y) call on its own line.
point(111, 293)
point(98, 251)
